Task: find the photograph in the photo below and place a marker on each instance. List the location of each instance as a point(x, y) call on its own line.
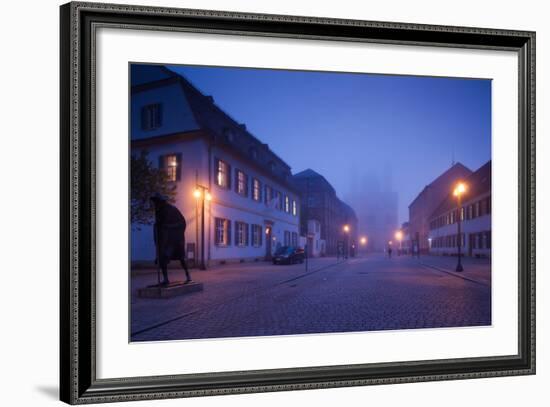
point(269, 202)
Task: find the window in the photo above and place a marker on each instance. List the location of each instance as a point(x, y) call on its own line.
point(476, 209)
point(223, 232)
point(253, 152)
point(287, 204)
point(171, 164)
point(229, 135)
point(151, 116)
point(488, 239)
point(294, 239)
point(256, 235)
point(278, 199)
point(256, 190)
point(241, 234)
point(294, 208)
point(241, 183)
point(488, 205)
point(222, 174)
point(268, 194)
point(287, 238)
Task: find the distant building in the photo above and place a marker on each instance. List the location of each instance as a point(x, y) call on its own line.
point(253, 208)
point(319, 202)
point(376, 206)
point(475, 216)
point(427, 201)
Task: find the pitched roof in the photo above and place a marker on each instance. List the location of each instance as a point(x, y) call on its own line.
point(444, 177)
point(478, 183)
point(224, 129)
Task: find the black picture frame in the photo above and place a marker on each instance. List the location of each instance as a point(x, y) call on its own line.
point(78, 382)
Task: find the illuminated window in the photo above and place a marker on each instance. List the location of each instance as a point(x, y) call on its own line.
point(223, 232)
point(294, 208)
point(287, 204)
point(222, 174)
point(171, 164)
point(242, 183)
point(256, 190)
point(151, 116)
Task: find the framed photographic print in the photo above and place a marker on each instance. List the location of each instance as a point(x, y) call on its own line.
point(255, 203)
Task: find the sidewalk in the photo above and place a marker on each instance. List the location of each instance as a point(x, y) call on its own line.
point(222, 283)
point(475, 270)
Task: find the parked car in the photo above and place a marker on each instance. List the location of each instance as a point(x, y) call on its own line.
point(289, 255)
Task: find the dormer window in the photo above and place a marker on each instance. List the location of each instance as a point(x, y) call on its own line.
point(253, 152)
point(271, 166)
point(229, 135)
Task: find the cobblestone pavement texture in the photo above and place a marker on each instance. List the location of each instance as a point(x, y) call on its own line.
point(361, 294)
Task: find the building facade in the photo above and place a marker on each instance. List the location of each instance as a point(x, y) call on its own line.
point(423, 206)
point(320, 203)
point(475, 217)
point(250, 206)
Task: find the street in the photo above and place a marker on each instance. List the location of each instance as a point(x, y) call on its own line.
point(361, 294)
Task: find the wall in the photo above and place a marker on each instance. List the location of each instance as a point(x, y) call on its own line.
point(29, 302)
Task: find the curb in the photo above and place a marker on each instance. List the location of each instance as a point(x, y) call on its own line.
point(453, 273)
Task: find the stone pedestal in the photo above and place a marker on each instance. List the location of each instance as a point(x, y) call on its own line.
point(173, 289)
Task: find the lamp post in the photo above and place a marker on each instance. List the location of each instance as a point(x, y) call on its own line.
point(346, 235)
point(459, 190)
point(201, 192)
point(399, 238)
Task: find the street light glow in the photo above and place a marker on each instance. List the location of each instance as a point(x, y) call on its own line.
point(346, 228)
point(208, 196)
point(363, 240)
point(197, 193)
point(399, 235)
point(459, 189)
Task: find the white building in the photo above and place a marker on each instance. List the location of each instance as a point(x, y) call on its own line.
point(252, 207)
point(475, 219)
point(315, 245)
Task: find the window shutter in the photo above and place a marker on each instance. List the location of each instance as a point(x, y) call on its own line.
point(228, 232)
point(216, 228)
point(261, 234)
point(229, 176)
point(259, 191)
point(178, 167)
point(144, 118)
point(237, 233)
point(246, 186)
point(158, 115)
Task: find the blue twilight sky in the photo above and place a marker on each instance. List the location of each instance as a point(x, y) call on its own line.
point(403, 128)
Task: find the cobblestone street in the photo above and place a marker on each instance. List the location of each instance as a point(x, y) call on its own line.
point(361, 294)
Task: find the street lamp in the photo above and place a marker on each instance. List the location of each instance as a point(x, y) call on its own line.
point(363, 240)
point(399, 238)
point(201, 192)
point(459, 190)
point(345, 228)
